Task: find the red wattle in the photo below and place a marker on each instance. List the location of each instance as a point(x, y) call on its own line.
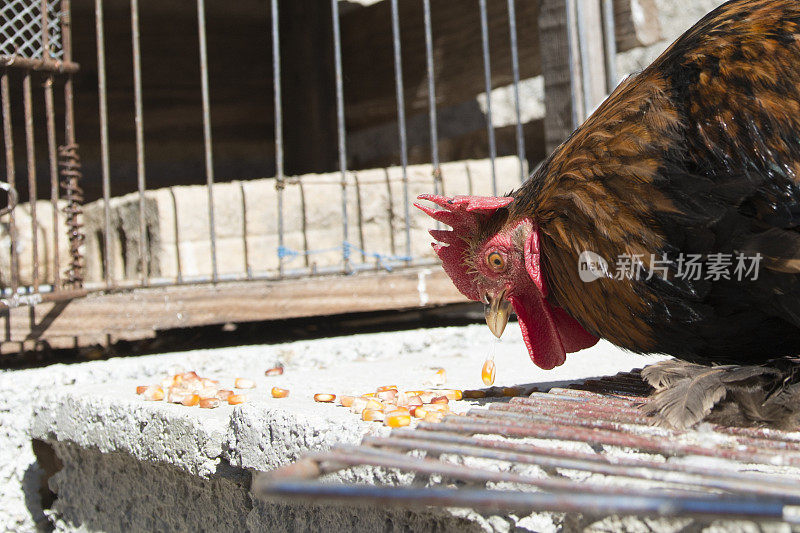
point(539, 331)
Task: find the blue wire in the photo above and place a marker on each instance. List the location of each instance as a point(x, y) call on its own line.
point(346, 247)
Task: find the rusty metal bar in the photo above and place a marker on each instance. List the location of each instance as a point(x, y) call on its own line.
point(45, 65)
point(497, 500)
point(11, 174)
point(139, 124)
point(610, 42)
point(32, 299)
point(512, 30)
point(207, 146)
point(583, 46)
point(572, 48)
point(280, 184)
point(52, 149)
point(487, 75)
point(102, 96)
point(432, 115)
point(401, 120)
point(337, 58)
point(30, 151)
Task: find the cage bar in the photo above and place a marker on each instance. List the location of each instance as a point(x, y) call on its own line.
point(102, 98)
point(139, 125)
point(401, 119)
point(487, 75)
point(11, 174)
point(280, 184)
point(512, 31)
point(30, 150)
point(337, 58)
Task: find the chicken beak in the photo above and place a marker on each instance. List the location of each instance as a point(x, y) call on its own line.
point(497, 311)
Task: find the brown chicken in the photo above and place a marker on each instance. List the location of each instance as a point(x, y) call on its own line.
point(694, 161)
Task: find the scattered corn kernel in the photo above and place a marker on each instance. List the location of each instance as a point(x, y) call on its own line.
point(325, 398)
point(385, 388)
point(275, 371)
point(236, 399)
point(372, 415)
point(279, 393)
point(440, 400)
point(451, 394)
point(401, 399)
point(190, 400)
point(488, 372)
point(472, 394)
point(374, 404)
point(154, 393)
point(414, 401)
point(419, 411)
point(223, 394)
point(140, 389)
point(387, 395)
point(443, 407)
point(397, 411)
point(434, 417)
point(346, 401)
point(359, 404)
point(397, 420)
point(437, 379)
point(208, 403)
point(208, 392)
point(244, 383)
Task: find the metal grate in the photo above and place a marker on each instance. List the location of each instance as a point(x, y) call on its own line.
point(21, 28)
point(587, 450)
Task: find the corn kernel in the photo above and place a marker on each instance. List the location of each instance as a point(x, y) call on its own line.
point(414, 400)
point(324, 398)
point(450, 394)
point(208, 392)
point(488, 372)
point(443, 407)
point(372, 415)
point(190, 376)
point(385, 388)
point(374, 404)
point(223, 394)
point(346, 401)
point(190, 400)
point(244, 383)
point(236, 399)
point(397, 411)
point(208, 403)
point(419, 411)
point(275, 371)
point(438, 379)
point(387, 395)
point(154, 393)
point(440, 400)
point(279, 393)
point(140, 389)
point(397, 420)
point(401, 399)
point(434, 417)
point(359, 404)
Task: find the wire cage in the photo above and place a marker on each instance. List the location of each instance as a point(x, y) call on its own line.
point(262, 197)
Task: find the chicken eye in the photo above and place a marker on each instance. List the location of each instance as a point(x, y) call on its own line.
point(496, 262)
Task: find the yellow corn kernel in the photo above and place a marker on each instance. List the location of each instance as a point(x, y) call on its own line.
point(208, 403)
point(374, 404)
point(279, 393)
point(141, 388)
point(236, 399)
point(275, 371)
point(324, 398)
point(397, 420)
point(346, 401)
point(223, 394)
point(190, 400)
point(434, 417)
point(440, 400)
point(372, 415)
point(419, 411)
point(154, 393)
point(244, 383)
point(385, 388)
point(488, 372)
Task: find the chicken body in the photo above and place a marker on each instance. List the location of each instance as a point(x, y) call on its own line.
point(699, 154)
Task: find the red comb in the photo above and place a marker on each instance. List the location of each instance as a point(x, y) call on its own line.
point(463, 214)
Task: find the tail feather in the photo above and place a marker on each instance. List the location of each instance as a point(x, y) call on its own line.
point(760, 395)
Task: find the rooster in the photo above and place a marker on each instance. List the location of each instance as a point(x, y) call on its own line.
point(696, 156)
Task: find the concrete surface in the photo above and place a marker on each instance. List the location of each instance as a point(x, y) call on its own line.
point(258, 434)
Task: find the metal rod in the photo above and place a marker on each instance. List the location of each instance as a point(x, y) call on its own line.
point(583, 46)
point(212, 234)
point(401, 119)
point(610, 49)
point(176, 225)
point(577, 501)
point(54, 185)
point(487, 75)
point(45, 30)
point(337, 59)
point(512, 30)
point(574, 80)
point(46, 65)
point(11, 174)
point(245, 249)
point(280, 184)
point(102, 90)
point(31, 161)
point(139, 124)
point(432, 114)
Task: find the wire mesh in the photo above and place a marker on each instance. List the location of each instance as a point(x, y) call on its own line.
point(21, 29)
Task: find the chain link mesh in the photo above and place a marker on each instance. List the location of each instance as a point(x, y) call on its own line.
point(21, 28)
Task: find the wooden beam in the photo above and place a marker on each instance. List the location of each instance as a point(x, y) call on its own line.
point(369, 77)
point(137, 314)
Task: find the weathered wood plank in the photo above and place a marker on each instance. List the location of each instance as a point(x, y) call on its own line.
point(139, 313)
point(369, 77)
